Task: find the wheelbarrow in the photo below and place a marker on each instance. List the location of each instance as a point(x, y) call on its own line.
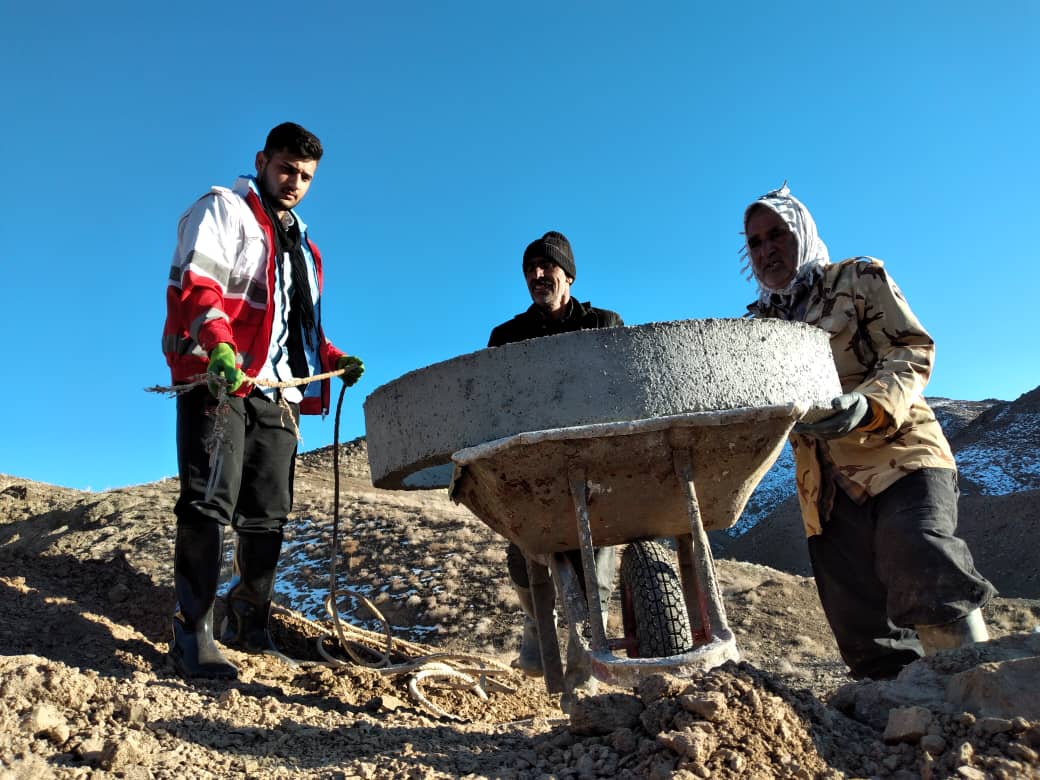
point(608, 437)
point(626, 483)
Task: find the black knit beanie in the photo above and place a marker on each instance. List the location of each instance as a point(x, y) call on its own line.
point(553, 246)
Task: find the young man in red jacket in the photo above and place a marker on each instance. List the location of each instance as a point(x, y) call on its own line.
point(243, 302)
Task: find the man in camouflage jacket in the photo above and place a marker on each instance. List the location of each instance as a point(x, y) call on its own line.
point(877, 481)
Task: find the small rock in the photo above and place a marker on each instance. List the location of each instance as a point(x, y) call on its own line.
point(965, 753)
point(933, 744)
point(391, 703)
point(43, 718)
point(59, 734)
point(659, 716)
point(1032, 736)
point(735, 761)
point(585, 766)
point(659, 686)
point(118, 593)
point(624, 741)
point(927, 767)
point(118, 754)
point(662, 768)
point(695, 744)
point(892, 763)
point(710, 705)
point(135, 712)
point(1007, 688)
point(1023, 753)
point(990, 726)
point(907, 724)
point(970, 773)
point(601, 715)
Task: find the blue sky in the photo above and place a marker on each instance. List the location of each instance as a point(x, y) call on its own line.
point(457, 132)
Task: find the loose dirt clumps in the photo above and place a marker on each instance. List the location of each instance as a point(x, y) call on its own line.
point(86, 691)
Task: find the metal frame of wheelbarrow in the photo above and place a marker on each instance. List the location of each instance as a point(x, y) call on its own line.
point(714, 643)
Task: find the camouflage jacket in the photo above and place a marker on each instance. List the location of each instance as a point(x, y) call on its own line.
point(883, 351)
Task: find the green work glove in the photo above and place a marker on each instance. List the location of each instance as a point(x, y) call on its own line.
point(354, 369)
point(222, 364)
point(851, 410)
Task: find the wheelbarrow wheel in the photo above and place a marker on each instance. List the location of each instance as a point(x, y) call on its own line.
point(653, 611)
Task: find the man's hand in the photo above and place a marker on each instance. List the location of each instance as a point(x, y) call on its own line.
point(354, 369)
point(222, 364)
point(851, 411)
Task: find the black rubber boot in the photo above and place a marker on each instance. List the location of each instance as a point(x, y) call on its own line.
point(196, 570)
point(529, 660)
point(249, 598)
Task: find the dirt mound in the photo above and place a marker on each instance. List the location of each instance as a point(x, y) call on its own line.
point(85, 689)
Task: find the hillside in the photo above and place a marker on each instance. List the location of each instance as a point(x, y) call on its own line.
point(997, 447)
point(85, 690)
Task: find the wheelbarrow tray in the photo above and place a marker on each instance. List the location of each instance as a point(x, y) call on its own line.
point(520, 485)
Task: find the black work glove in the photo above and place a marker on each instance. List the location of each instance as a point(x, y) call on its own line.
point(851, 411)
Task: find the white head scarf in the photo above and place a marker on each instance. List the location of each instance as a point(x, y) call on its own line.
point(812, 252)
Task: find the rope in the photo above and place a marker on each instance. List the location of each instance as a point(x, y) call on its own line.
point(354, 641)
point(216, 439)
point(418, 669)
point(204, 379)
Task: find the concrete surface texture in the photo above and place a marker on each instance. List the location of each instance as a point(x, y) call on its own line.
point(415, 423)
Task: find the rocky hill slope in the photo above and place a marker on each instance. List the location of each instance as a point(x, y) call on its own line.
point(85, 690)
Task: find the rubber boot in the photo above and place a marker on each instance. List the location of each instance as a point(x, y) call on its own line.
point(249, 597)
point(529, 660)
point(196, 570)
point(949, 636)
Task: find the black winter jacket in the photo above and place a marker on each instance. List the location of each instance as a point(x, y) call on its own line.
point(534, 323)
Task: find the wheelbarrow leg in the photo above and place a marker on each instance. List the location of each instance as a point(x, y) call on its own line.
point(588, 561)
point(577, 670)
point(696, 563)
point(544, 597)
point(694, 595)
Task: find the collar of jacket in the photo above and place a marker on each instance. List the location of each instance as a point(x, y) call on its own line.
point(575, 311)
point(245, 184)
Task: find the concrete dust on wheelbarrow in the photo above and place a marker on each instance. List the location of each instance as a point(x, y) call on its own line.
point(681, 423)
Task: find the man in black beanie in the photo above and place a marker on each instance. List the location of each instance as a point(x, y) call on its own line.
point(549, 271)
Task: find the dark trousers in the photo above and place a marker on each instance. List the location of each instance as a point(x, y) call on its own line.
point(253, 487)
point(605, 569)
point(893, 563)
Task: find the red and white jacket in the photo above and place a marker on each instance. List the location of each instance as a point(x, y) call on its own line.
point(221, 288)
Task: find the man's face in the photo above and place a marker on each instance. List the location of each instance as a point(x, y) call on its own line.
point(548, 284)
point(284, 178)
point(773, 248)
